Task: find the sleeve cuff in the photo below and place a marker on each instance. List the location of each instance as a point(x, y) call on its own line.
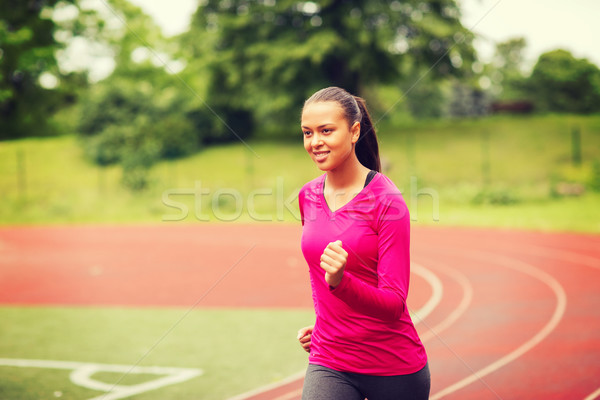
point(342, 285)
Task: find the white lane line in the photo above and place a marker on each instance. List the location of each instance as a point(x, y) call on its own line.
point(82, 375)
point(561, 304)
point(437, 290)
point(436, 296)
point(467, 297)
point(593, 396)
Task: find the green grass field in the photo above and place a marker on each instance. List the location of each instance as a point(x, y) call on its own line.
point(238, 350)
point(501, 171)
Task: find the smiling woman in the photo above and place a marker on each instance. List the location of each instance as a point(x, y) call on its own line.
point(326, 130)
point(355, 239)
point(337, 110)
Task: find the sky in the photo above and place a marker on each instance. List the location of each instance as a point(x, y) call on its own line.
point(545, 24)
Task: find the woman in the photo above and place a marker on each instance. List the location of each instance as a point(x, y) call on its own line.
point(355, 239)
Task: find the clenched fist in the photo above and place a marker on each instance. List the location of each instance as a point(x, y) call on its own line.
point(333, 261)
point(304, 337)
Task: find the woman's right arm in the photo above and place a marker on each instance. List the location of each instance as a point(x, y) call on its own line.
point(304, 336)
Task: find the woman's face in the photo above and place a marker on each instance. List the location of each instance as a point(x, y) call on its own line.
point(327, 137)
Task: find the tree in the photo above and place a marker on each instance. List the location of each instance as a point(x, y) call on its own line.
point(560, 82)
point(426, 98)
point(27, 48)
point(266, 57)
point(135, 124)
point(509, 56)
point(506, 70)
point(141, 112)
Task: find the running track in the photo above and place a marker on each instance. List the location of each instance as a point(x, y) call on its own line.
point(503, 314)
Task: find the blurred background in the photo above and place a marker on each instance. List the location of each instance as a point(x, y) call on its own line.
point(151, 111)
point(172, 120)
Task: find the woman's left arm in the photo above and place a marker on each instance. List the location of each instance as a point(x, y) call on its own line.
point(387, 300)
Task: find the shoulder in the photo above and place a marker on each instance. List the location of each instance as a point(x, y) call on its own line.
point(312, 187)
point(389, 198)
point(381, 185)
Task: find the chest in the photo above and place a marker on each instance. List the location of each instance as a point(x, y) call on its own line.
point(337, 199)
point(356, 231)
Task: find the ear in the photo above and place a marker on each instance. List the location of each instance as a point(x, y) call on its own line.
point(355, 131)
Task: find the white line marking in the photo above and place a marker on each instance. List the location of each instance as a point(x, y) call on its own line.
point(420, 314)
point(436, 287)
point(561, 304)
point(459, 310)
point(82, 375)
point(593, 396)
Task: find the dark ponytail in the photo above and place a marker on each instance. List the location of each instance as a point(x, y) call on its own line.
point(367, 148)
point(355, 110)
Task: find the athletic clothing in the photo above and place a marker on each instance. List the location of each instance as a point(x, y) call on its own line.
point(322, 383)
point(370, 177)
point(362, 325)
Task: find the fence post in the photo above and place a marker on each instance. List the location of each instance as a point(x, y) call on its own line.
point(411, 152)
point(249, 169)
point(21, 174)
point(576, 146)
point(485, 158)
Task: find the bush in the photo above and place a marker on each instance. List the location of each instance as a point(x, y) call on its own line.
point(495, 196)
point(560, 82)
point(135, 125)
point(105, 148)
point(175, 135)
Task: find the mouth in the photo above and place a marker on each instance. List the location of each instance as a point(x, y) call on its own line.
point(320, 155)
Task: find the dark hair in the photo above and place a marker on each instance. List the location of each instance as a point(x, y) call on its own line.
point(355, 110)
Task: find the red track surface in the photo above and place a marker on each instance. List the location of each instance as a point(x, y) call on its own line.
point(519, 316)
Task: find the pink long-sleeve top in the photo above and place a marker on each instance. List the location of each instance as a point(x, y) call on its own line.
point(363, 324)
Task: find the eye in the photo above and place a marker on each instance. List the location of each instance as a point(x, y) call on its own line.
point(307, 133)
point(326, 130)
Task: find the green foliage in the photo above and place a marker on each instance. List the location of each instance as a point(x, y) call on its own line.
point(143, 112)
point(135, 125)
point(426, 98)
point(560, 82)
point(509, 56)
point(266, 58)
point(506, 71)
point(495, 196)
point(27, 51)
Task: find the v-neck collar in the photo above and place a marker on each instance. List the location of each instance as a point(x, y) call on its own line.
point(352, 200)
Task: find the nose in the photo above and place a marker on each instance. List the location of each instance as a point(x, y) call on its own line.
point(316, 141)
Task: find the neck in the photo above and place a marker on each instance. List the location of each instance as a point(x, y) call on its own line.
point(349, 174)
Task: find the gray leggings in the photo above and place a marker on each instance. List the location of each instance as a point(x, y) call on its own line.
point(322, 383)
